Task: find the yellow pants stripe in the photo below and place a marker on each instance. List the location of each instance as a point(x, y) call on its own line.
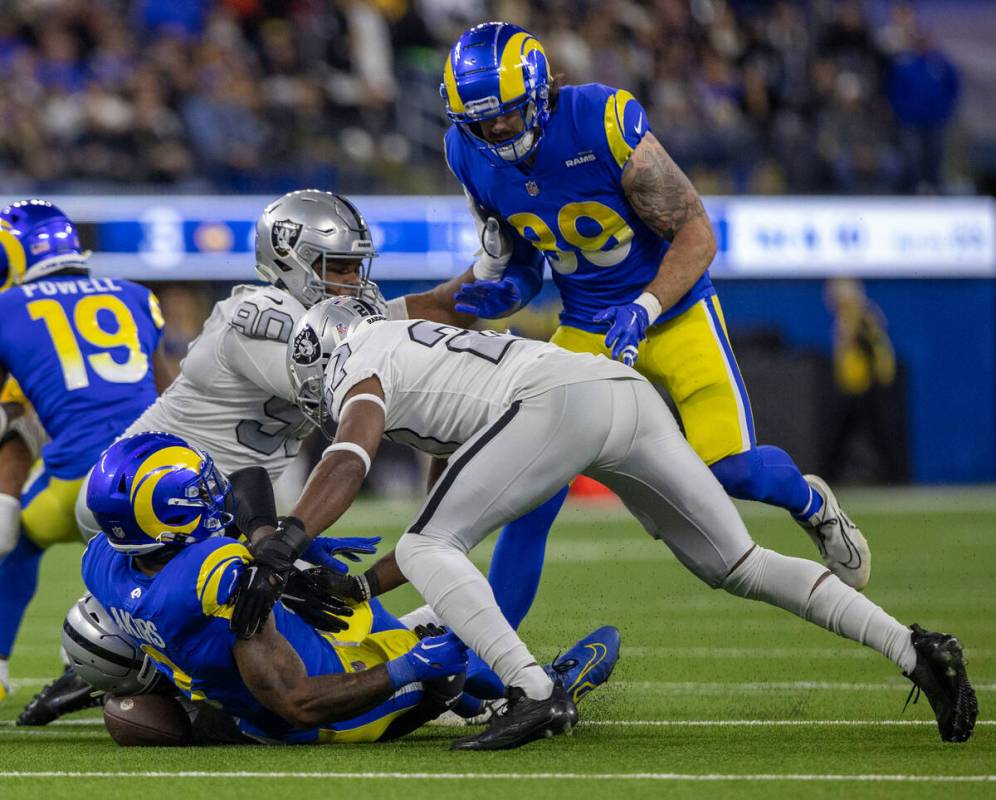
point(689, 357)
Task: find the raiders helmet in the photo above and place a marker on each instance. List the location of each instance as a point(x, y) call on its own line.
point(102, 654)
point(316, 335)
point(299, 234)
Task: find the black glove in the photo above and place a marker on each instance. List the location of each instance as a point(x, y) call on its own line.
point(428, 631)
point(263, 580)
point(307, 595)
point(358, 588)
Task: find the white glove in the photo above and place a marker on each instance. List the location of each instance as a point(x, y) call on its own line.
point(495, 252)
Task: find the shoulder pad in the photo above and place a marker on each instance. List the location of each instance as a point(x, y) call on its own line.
point(266, 313)
point(219, 563)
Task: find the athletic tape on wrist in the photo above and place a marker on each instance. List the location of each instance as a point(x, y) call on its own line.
point(353, 448)
point(4, 419)
point(372, 398)
point(649, 302)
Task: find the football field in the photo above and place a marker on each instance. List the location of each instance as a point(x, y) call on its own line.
point(713, 695)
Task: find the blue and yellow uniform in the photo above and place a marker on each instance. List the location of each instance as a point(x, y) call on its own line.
point(180, 618)
point(81, 351)
point(557, 180)
point(568, 202)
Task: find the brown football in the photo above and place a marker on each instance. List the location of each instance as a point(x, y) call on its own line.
point(146, 720)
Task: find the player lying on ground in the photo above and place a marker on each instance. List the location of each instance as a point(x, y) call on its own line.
point(578, 178)
point(85, 352)
point(523, 418)
point(233, 397)
point(167, 578)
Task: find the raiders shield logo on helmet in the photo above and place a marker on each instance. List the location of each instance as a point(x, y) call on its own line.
point(307, 348)
point(284, 235)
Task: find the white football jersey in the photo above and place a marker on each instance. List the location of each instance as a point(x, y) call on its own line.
point(233, 396)
point(443, 384)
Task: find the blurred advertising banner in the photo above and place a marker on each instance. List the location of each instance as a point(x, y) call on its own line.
point(432, 237)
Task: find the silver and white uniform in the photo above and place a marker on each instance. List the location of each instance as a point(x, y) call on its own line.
point(520, 419)
point(443, 384)
point(232, 397)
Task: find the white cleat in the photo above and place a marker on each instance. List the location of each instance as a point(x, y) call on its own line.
point(841, 544)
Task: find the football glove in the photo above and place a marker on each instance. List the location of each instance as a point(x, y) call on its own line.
point(495, 252)
point(429, 630)
point(324, 549)
point(435, 657)
point(627, 328)
point(488, 299)
point(308, 595)
point(264, 579)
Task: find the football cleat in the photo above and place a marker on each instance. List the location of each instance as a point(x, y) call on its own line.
point(588, 664)
point(66, 694)
point(5, 691)
point(940, 674)
point(524, 720)
point(842, 546)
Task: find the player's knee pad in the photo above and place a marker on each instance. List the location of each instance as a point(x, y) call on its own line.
point(85, 520)
point(10, 523)
point(742, 474)
point(776, 579)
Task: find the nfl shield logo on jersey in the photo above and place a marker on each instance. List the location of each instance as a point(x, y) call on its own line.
point(307, 348)
point(284, 235)
point(532, 188)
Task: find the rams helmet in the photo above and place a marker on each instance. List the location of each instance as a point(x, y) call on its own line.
point(495, 69)
point(36, 239)
point(154, 489)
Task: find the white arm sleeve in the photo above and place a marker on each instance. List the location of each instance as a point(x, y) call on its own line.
point(397, 309)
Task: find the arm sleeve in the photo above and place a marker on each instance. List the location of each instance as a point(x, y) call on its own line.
point(252, 492)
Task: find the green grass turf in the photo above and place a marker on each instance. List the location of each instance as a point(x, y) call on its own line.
point(688, 654)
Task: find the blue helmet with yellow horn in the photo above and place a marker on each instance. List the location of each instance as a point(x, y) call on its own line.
point(154, 489)
point(36, 239)
point(495, 69)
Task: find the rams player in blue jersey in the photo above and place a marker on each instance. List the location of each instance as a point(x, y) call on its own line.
point(84, 351)
point(577, 172)
point(167, 577)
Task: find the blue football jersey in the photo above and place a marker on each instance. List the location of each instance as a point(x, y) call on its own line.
point(81, 349)
point(180, 618)
point(570, 204)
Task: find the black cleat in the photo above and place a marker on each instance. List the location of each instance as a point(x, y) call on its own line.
point(524, 720)
point(940, 674)
point(66, 694)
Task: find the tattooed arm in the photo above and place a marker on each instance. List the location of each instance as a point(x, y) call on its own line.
point(667, 202)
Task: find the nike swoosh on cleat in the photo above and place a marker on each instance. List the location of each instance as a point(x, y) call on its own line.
point(599, 651)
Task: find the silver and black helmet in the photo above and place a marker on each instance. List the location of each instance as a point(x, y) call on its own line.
point(317, 334)
point(102, 654)
point(299, 234)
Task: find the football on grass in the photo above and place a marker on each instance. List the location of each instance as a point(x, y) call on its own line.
point(151, 720)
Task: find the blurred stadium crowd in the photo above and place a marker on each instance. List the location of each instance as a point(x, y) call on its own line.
point(267, 95)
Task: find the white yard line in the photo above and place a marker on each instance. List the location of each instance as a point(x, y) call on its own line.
point(520, 776)
point(710, 687)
